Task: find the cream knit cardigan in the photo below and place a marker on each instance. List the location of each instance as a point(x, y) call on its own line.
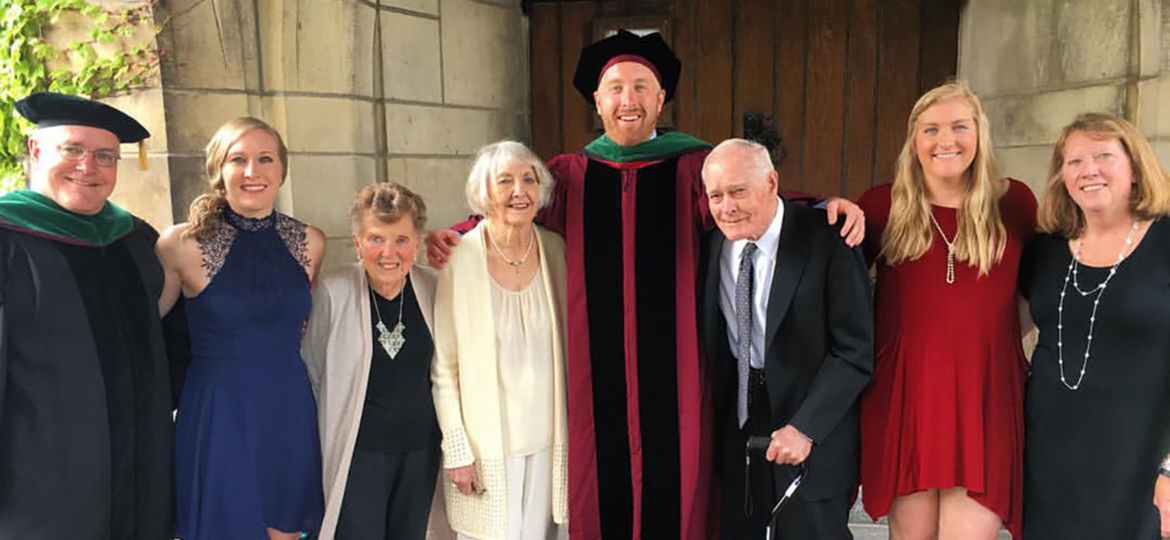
point(337, 349)
point(465, 383)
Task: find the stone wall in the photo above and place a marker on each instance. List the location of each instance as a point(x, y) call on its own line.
point(405, 90)
point(1037, 64)
point(145, 193)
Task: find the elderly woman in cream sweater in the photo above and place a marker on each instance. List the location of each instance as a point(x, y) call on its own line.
point(499, 357)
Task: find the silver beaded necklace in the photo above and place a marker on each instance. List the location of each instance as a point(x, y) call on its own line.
point(1099, 290)
point(390, 340)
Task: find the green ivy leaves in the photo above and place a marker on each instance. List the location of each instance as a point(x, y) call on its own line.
point(95, 71)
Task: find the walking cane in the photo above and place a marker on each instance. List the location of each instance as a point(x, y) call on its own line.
point(760, 445)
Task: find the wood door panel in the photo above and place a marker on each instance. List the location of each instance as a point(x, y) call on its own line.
point(576, 30)
point(712, 69)
point(939, 44)
point(545, 64)
point(685, 104)
point(755, 24)
point(825, 87)
point(837, 77)
point(897, 81)
point(861, 102)
point(789, 86)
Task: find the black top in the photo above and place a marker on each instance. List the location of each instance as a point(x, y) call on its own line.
point(85, 417)
point(1091, 455)
point(399, 414)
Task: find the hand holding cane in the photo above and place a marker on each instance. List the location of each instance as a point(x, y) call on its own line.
point(759, 445)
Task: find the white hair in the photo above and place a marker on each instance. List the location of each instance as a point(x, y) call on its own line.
point(763, 160)
point(489, 160)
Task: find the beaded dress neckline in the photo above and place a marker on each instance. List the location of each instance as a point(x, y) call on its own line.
point(216, 245)
point(246, 223)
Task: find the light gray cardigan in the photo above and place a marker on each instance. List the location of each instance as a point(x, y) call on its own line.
point(337, 349)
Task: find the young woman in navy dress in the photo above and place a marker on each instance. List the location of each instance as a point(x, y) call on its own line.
point(247, 457)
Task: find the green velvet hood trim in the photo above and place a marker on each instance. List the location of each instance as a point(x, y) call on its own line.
point(35, 213)
point(671, 143)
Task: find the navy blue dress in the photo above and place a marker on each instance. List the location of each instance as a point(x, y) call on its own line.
point(246, 447)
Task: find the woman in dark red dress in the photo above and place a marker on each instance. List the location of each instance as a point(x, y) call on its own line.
point(942, 425)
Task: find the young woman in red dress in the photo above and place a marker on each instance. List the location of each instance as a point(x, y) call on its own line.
point(942, 421)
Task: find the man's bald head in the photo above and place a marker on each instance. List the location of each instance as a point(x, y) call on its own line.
point(752, 154)
point(741, 186)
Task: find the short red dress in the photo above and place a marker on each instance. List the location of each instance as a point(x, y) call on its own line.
point(945, 406)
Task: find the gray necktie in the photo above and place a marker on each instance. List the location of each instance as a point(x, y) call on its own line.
point(743, 321)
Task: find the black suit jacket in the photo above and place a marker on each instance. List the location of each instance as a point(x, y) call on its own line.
point(818, 345)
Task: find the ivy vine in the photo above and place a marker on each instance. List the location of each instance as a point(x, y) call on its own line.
point(102, 63)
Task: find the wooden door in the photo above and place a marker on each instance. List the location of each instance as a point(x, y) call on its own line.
point(837, 78)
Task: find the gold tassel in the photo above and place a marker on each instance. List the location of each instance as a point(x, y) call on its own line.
point(142, 155)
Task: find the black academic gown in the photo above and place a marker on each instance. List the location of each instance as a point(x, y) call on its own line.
point(85, 408)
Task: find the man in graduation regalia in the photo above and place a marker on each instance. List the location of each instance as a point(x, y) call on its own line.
point(85, 408)
point(632, 209)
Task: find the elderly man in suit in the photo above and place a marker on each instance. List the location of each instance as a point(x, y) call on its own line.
point(788, 329)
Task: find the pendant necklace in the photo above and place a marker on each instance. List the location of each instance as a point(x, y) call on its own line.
point(1099, 290)
point(391, 340)
point(516, 263)
point(950, 249)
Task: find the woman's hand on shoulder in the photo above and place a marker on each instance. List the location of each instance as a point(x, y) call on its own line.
point(315, 246)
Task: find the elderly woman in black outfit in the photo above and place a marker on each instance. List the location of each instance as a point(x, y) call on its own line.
point(1098, 282)
point(368, 349)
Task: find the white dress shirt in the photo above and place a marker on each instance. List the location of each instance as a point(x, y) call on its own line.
point(764, 261)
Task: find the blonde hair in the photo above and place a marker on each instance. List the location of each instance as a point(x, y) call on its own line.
point(387, 202)
point(1149, 198)
point(206, 211)
point(980, 238)
point(488, 161)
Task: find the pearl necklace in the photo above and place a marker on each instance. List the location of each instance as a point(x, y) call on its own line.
point(950, 249)
point(515, 264)
point(1099, 290)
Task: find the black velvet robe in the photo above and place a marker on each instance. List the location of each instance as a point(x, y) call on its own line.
point(85, 405)
point(640, 416)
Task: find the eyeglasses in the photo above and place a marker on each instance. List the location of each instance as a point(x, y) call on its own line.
point(103, 157)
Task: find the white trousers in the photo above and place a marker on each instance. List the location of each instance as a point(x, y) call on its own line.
point(529, 480)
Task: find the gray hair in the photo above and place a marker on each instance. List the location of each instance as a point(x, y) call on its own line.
point(489, 160)
point(760, 154)
point(388, 202)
